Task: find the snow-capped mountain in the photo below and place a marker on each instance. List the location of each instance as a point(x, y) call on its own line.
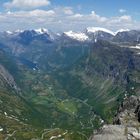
point(27, 36)
point(41, 30)
point(121, 30)
point(76, 35)
point(98, 29)
point(90, 34)
point(94, 34)
point(34, 33)
point(97, 33)
point(37, 31)
point(51, 34)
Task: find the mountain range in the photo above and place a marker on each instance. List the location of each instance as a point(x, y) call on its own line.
point(65, 85)
point(89, 34)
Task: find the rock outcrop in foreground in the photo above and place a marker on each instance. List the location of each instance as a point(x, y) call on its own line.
point(126, 123)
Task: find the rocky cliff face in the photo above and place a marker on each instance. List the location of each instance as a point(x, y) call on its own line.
point(6, 79)
point(129, 111)
point(126, 122)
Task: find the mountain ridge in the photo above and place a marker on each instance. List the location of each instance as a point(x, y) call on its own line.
point(89, 34)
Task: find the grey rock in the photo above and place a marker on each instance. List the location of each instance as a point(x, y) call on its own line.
point(126, 123)
point(7, 78)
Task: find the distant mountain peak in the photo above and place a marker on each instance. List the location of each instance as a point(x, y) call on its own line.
point(122, 30)
point(91, 34)
point(41, 30)
point(97, 29)
point(77, 35)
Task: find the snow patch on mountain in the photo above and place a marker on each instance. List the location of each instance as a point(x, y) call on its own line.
point(99, 29)
point(9, 32)
point(122, 30)
point(136, 47)
point(41, 30)
point(77, 35)
point(51, 34)
point(19, 31)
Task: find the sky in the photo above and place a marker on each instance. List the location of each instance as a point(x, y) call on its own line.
point(65, 15)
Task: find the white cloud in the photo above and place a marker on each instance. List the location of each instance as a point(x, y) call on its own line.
point(92, 17)
point(122, 10)
point(23, 4)
point(65, 11)
point(122, 19)
point(97, 17)
point(57, 19)
point(41, 13)
point(31, 14)
point(77, 16)
point(126, 18)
